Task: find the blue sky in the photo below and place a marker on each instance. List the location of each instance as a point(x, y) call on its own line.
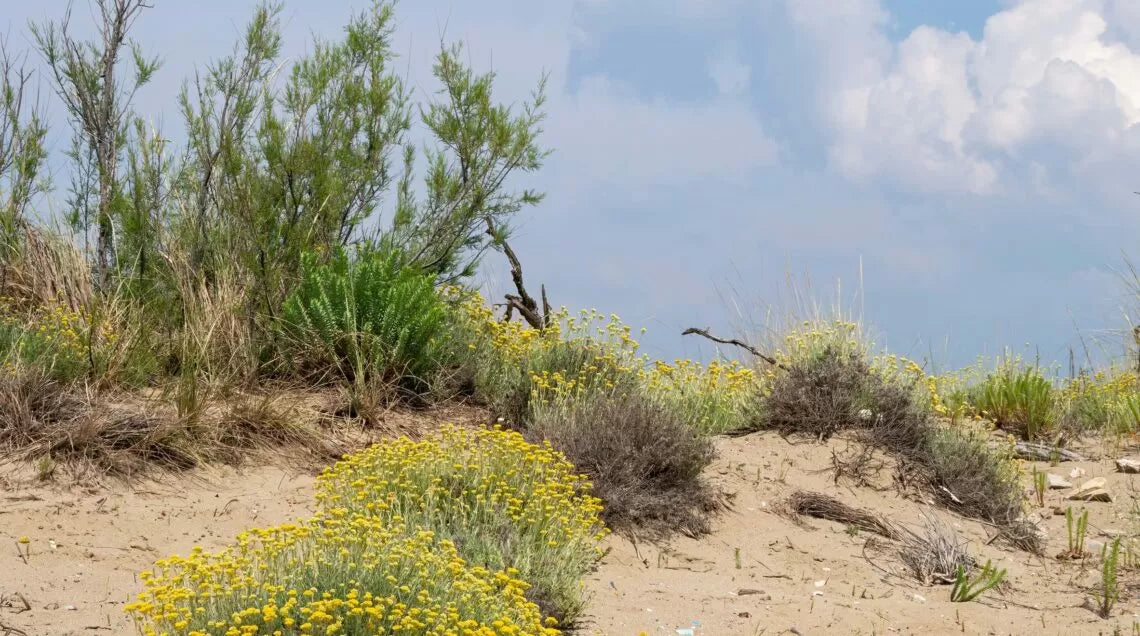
point(974, 160)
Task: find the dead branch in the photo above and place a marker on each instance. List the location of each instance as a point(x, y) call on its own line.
point(1042, 452)
point(523, 302)
point(733, 341)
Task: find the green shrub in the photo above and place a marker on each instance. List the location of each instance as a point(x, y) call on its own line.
point(1019, 400)
point(366, 317)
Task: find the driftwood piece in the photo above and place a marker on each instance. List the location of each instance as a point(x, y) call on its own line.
point(738, 343)
point(1044, 453)
point(523, 302)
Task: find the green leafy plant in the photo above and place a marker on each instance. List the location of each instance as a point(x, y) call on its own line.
point(1039, 487)
point(366, 316)
point(967, 589)
point(1077, 528)
point(1018, 399)
point(1109, 591)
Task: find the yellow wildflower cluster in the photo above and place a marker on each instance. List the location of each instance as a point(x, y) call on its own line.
point(809, 340)
point(592, 352)
point(1108, 398)
point(714, 398)
point(468, 484)
point(56, 335)
point(440, 536)
point(355, 574)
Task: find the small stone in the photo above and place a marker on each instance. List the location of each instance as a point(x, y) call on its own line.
point(1128, 465)
point(1077, 473)
point(1057, 482)
point(920, 598)
point(1092, 490)
point(820, 583)
point(70, 608)
point(744, 615)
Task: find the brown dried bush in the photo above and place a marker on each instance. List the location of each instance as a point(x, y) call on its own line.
point(645, 461)
point(837, 392)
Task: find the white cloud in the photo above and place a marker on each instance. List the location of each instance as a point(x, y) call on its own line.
point(943, 112)
point(731, 75)
point(607, 134)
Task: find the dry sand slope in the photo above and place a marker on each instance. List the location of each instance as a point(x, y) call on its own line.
point(758, 573)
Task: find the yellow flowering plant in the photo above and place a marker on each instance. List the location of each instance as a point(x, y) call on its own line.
point(472, 532)
point(714, 398)
point(55, 338)
point(518, 368)
point(506, 503)
point(334, 574)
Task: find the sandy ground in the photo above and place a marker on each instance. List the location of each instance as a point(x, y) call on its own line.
point(758, 573)
point(87, 544)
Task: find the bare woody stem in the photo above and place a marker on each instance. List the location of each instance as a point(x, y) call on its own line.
point(738, 343)
point(523, 302)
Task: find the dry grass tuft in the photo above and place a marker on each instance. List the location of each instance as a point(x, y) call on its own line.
point(934, 553)
point(129, 435)
point(44, 270)
point(821, 506)
point(836, 391)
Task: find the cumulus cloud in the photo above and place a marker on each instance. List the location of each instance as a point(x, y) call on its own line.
point(944, 112)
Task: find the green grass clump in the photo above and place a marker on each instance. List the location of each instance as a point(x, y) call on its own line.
point(1018, 399)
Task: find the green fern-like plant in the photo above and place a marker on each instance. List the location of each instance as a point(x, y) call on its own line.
point(1040, 485)
point(1109, 591)
point(1077, 528)
point(366, 315)
point(967, 589)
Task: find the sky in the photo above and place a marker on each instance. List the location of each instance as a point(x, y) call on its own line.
point(960, 173)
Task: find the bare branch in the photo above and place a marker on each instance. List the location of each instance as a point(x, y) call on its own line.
point(523, 302)
point(733, 341)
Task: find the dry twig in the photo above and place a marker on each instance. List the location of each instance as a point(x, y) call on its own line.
point(733, 341)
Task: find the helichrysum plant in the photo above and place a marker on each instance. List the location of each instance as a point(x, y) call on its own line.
point(336, 574)
point(506, 502)
point(465, 532)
